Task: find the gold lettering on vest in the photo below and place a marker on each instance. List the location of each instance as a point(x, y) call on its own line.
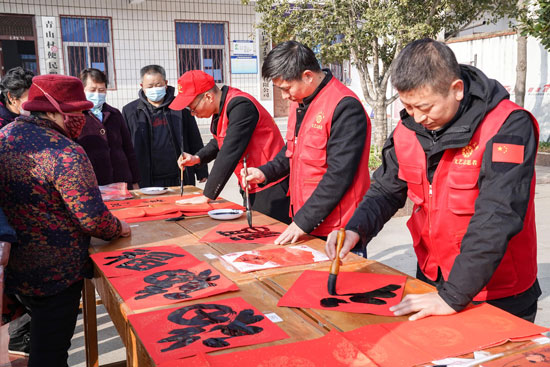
point(317, 126)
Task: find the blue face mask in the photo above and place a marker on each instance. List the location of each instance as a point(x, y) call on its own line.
point(155, 94)
point(98, 99)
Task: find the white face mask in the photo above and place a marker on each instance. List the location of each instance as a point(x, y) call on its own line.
point(155, 94)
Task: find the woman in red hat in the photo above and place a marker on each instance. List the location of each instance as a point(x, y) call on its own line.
point(50, 194)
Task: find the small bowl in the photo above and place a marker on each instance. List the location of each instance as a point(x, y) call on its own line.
point(225, 214)
point(153, 190)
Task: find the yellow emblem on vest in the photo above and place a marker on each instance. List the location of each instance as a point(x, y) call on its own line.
point(319, 118)
point(469, 149)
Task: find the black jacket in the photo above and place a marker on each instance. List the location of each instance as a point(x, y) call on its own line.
point(157, 153)
point(243, 117)
point(504, 187)
point(344, 149)
point(109, 147)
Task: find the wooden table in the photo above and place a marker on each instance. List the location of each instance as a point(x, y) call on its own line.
point(262, 289)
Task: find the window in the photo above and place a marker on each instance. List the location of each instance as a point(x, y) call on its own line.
point(202, 46)
point(87, 43)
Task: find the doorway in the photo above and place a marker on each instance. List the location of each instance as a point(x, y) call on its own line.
point(18, 43)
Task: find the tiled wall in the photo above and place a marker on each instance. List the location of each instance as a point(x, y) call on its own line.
point(144, 34)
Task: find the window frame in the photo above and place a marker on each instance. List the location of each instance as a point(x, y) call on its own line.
point(111, 70)
point(225, 47)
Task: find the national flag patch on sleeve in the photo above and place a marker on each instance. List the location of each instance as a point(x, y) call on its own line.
point(508, 153)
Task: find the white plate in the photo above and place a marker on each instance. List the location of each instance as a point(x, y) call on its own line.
point(225, 214)
point(153, 190)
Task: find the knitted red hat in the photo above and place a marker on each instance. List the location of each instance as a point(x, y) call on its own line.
point(190, 85)
point(68, 91)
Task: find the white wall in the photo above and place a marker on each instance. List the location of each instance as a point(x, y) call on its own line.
point(496, 57)
point(144, 34)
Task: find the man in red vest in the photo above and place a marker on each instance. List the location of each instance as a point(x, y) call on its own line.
point(465, 156)
point(242, 128)
point(328, 144)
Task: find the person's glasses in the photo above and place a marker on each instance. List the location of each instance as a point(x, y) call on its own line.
point(193, 110)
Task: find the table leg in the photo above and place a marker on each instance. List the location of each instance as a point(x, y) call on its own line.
point(89, 320)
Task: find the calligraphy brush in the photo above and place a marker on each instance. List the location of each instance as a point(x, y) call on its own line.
point(181, 181)
point(335, 266)
point(247, 197)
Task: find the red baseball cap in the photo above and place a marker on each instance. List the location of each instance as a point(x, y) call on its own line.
point(190, 85)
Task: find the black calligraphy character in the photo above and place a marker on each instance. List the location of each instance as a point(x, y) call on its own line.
point(164, 280)
point(371, 297)
point(142, 259)
point(249, 233)
point(204, 315)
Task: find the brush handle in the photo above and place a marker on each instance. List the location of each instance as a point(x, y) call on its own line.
point(335, 267)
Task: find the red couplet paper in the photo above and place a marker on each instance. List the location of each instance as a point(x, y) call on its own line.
point(196, 361)
point(438, 337)
point(143, 260)
point(533, 357)
point(332, 350)
point(147, 202)
point(247, 261)
point(203, 327)
point(357, 292)
point(241, 233)
point(172, 285)
point(165, 211)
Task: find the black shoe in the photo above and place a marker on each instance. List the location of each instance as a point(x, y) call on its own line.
point(20, 345)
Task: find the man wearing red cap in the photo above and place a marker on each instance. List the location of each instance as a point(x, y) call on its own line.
point(50, 195)
point(242, 128)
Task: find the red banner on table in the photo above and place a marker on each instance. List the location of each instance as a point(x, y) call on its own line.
point(356, 292)
point(438, 337)
point(203, 327)
point(241, 233)
point(173, 285)
point(143, 260)
point(147, 202)
point(332, 350)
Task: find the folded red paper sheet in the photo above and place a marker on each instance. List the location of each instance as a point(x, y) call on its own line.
point(331, 350)
point(241, 233)
point(167, 210)
point(143, 260)
point(203, 327)
point(438, 337)
point(247, 261)
point(147, 202)
point(357, 292)
point(173, 285)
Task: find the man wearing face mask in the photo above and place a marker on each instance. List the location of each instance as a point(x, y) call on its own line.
point(49, 193)
point(14, 89)
point(160, 134)
point(105, 137)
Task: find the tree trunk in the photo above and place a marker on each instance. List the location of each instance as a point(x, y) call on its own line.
point(379, 124)
point(521, 69)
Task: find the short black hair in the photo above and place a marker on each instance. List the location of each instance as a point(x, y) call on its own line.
point(16, 81)
point(153, 69)
point(96, 75)
point(425, 62)
point(288, 60)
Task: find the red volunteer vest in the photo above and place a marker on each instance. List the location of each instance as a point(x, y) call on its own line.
point(265, 143)
point(442, 210)
point(308, 157)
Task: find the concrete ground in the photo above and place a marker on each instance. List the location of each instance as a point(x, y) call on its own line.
point(392, 246)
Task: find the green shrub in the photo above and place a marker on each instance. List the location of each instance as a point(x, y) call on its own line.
point(544, 146)
point(375, 157)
